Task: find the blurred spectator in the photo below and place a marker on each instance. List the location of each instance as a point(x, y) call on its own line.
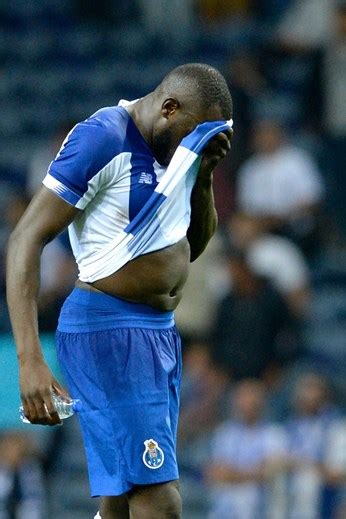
point(14, 204)
point(22, 491)
point(307, 24)
point(270, 10)
point(334, 77)
point(281, 184)
point(42, 157)
point(58, 268)
point(274, 257)
point(205, 286)
point(333, 81)
point(224, 190)
point(203, 391)
point(155, 14)
point(246, 453)
point(105, 12)
point(247, 84)
point(202, 405)
point(58, 273)
point(254, 331)
point(317, 451)
point(221, 10)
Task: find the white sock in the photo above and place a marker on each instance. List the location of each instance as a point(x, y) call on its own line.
point(97, 516)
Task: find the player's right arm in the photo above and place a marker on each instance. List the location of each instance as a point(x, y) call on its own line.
point(87, 148)
point(46, 216)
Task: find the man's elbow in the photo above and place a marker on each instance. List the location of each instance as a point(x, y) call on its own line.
point(16, 239)
point(199, 244)
point(13, 242)
point(27, 233)
point(196, 251)
point(194, 254)
point(22, 243)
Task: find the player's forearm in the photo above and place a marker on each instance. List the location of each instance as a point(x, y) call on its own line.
point(23, 261)
point(203, 216)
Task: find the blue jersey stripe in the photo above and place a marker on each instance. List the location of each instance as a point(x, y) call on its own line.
point(68, 195)
point(143, 180)
point(200, 136)
point(145, 214)
point(142, 237)
point(60, 189)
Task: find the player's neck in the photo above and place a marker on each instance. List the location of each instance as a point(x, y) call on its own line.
point(142, 113)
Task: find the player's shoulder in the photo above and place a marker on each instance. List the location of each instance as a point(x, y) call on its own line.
point(93, 143)
point(109, 117)
point(103, 133)
point(111, 122)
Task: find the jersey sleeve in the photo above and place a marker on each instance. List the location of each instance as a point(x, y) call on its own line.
point(75, 173)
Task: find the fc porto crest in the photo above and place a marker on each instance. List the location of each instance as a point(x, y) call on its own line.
point(153, 456)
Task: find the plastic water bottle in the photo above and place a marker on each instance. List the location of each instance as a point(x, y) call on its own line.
point(65, 407)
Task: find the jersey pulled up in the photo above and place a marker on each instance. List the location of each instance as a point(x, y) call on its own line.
point(130, 204)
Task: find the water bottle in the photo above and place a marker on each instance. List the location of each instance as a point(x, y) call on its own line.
point(65, 407)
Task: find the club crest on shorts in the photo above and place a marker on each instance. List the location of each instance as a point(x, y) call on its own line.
point(153, 456)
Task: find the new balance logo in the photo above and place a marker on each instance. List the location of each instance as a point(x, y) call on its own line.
point(145, 178)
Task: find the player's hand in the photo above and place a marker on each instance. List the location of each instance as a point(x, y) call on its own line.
point(36, 386)
point(216, 150)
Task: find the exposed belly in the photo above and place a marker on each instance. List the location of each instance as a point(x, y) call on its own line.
point(155, 279)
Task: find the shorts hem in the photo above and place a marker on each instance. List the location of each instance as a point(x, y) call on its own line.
point(115, 490)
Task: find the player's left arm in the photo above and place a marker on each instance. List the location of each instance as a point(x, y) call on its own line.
point(203, 213)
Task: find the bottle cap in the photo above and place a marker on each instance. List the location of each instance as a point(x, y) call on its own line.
point(77, 405)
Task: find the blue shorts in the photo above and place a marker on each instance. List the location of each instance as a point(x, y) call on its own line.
point(123, 361)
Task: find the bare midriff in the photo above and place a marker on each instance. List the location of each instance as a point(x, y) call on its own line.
point(155, 279)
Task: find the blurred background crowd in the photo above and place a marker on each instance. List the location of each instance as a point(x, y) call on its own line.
point(263, 320)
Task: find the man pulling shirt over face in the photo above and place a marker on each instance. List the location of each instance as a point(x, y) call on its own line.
point(134, 185)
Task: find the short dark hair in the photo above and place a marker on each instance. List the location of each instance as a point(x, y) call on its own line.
point(208, 83)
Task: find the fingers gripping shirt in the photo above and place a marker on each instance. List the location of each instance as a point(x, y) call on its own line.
point(130, 205)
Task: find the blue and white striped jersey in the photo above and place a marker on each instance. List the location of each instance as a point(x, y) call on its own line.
point(130, 205)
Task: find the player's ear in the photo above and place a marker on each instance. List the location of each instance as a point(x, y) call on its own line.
point(169, 107)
